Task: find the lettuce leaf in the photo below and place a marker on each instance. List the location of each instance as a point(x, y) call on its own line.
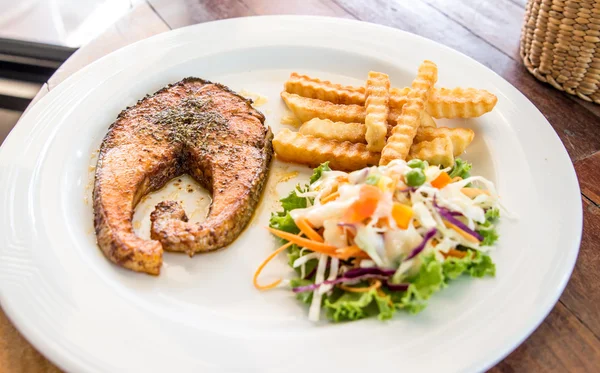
point(293, 254)
point(428, 281)
point(455, 267)
point(410, 300)
point(318, 172)
point(461, 168)
point(492, 215)
point(490, 236)
point(432, 277)
point(354, 306)
point(487, 229)
point(304, 297)
point(282, 220)
point(475, 264)
point(292, 201)
point(481, 265)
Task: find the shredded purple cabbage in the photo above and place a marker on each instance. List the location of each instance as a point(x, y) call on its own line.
point(451, 219)
point(338, 280)
point(449, 215)
point(312, 273)
point(417, 250)
point(314, 270)
point(397, 287)
point(357, 274)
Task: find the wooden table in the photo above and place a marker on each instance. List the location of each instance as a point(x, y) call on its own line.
point(488, 31)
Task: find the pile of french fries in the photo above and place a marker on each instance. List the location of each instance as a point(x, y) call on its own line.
point(356, 127)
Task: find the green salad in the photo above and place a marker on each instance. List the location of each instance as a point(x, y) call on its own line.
point(382, 239)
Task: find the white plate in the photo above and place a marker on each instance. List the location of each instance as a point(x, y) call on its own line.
point(203, 314)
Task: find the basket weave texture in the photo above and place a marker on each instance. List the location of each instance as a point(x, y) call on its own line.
point(560, 45)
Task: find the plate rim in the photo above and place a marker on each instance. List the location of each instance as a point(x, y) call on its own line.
point(62, 358)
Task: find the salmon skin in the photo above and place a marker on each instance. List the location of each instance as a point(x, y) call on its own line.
point(195, 127)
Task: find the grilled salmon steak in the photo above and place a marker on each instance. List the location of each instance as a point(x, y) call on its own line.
point(195, 127)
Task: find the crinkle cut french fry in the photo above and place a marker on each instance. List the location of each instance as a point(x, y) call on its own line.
point(308, 108)
point(460, 103)
point(338, 131)
point(345, 156)
point(377, 109)
point(306, 86)
point(402, 135)
point(398, 144)
point(460, 137)
point(305, 109)
point(438, 151)
point(450, 103)
point(427, 120)
point(443, 102)
point(355, 132)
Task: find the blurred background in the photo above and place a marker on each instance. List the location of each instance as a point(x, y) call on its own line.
point(37, 36)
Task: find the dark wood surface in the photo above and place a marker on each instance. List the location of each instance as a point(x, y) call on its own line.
point(488, 31)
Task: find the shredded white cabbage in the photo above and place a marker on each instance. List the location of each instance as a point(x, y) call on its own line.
point(314, 312)
point(333, 234)
point(367, 263)
point(399, 243)
point(333, 271)
point(423, 215)
point(371, 242)
point(305, 258)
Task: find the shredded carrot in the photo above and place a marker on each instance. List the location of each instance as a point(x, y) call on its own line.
point(376, 285)
point(441, 181)
point(308, 230)
point(461, 232)
point(474, 192)
point(402, 214)
point(369, 196)
point(351, 252)
point(434, 242)
point(455, 253)
point(330, 197)
point(417, 224)
point(303, 242)
point(382, 223)
point(263, 264)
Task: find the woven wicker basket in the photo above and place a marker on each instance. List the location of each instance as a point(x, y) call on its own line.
point(560, 45)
